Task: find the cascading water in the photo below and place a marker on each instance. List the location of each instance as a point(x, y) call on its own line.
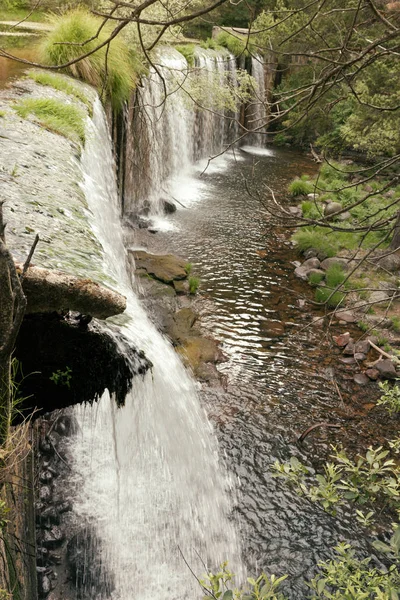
point(256, 114)
point(146, 477)
point(174, 127)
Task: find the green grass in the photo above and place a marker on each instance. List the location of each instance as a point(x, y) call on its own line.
point(2, 113)
point(322, 294)
point(363, 326)
point(210, 44)
point(57, 116)
point(395, 323)
point(188, 268)
point(11, 14)
point(334, 276)
point(60, 83)
point(194, 283)
point(315, 238)
point(332, 242)
point(315, 279)
point(187, 50)
point(298, 187)
point(312, 210)
point(115, 71)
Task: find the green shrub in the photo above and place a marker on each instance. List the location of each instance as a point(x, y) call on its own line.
point(315, 279)
point(236, 44)
point(60, 83)
point(210, 44)
point(322, 295)
point(335, 275)
point(333, 172)
point(298, 187)
point(395, 323)
point(314, 238)
point(66, 119)
point(116, 70)
point(194, 283)
point(311, 210)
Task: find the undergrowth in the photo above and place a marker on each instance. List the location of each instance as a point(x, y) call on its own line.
point(60, 83)
point(66, 119)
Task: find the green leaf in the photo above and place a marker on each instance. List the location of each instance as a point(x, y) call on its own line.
point(228, 595)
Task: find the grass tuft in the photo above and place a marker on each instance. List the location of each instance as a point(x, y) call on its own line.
point(322, 294)
point(187, 50)
point(298, 187)
point(61, 84)
point(334, 275)
point(57, 116)
point(114, 70)
point(194, 283)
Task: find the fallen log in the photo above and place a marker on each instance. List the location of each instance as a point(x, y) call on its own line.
point(48, 290)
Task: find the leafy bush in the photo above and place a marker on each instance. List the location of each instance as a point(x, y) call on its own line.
point(390, 398)
point(236, 44)
point(115, 69)
point(61, 84)
point(298, 187)
point(57, 116)
point(263, 588)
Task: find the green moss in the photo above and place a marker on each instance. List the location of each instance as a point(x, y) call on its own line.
point(187, 50)
point(298, 187)
point(60, 83)
point(115, 68)
point(57, 116)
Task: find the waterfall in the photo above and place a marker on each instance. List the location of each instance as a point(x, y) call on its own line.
point(256, 113)
point(174, 128)
point(146, 477)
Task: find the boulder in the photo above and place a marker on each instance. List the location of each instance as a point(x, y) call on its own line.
point(372, 374)
point(310, 253)
point(168, 206)
point(347, 316)
point(301, 273)
point(332, 208)
point(311, 263)
point(335, 260)
point(53, 537)
point(315, 272)
point(344, 216)
point(164, 267)
point(362, 347)
point(386, 369)
point(378, 296)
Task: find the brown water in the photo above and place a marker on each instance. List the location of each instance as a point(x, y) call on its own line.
point(12, 69)
point(278, 371)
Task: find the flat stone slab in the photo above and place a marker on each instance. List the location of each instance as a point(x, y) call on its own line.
point(164, 267)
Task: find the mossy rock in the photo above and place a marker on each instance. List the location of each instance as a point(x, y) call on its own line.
point(164, 267)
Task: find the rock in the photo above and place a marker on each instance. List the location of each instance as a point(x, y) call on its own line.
point(335, 260)
point(342, 340)
point(310, 253)
point(386, 369)
point(372, 374)
point(360, 379)
point(66, 425)
point(44, 585)
point(315, 272)
point(53, 537)
point(50, 291)
point(390, 194)
point(368, 188)
point(45, 493)
point(181, 286)
point(311, 263)
point(346, 316)
point(46, 476)
point(362, 347)
point(348, 360)
point(295, 211)
point(168, 207)
point(332, 208)
point(197, 350)
point(50, 515)
point(164, 267)
point(312, 196)
point(272, 328)
point(322, 255)
point(63, 507)
point(378, 296)
point(349, 349)
point(360, 356)
point(344, 216)
point(301, 273)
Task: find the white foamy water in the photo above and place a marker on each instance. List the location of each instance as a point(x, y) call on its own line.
point(147, 476)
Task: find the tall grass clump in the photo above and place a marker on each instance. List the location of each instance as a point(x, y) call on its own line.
point(313, 238)
point(61, 84)
point(323, 295)
point(66, 119)
point(115, 71)
point(335, 275)
point(298, 187)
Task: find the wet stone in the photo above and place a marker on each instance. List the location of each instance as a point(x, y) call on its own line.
point(342, 340)
point(360, 356)
point(361, 379)
point(53, 537)
point(349, 349)
point(44, 585)
point(348, 360)
point(362, 346)
point(372, 374)
point(63, 507)
point(46, 476)
point(45, 493)
point(311, 263)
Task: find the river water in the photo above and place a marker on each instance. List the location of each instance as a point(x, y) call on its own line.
point(277, 380)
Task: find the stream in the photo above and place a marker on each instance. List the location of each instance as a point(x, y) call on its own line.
point(277, 377)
